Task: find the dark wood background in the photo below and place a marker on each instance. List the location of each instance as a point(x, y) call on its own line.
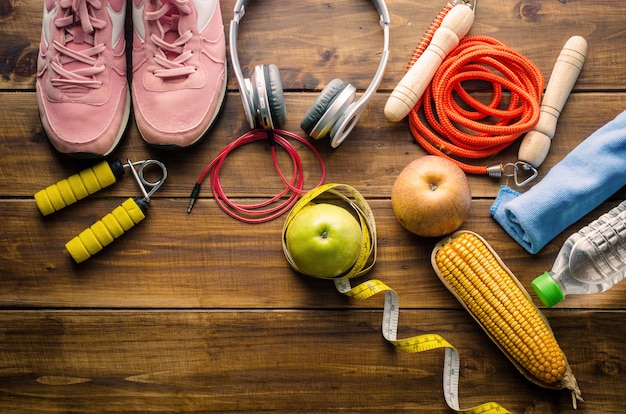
point(201, 313)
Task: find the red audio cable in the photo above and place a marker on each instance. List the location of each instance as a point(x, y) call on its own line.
point(273, 207)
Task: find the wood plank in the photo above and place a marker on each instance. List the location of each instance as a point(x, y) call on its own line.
point(318, 57)
point(282, 361)
point(20, 30)
point(369, 160)
point(214, 261)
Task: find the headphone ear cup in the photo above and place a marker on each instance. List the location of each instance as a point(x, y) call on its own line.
point(321, 106)
point(275, 97)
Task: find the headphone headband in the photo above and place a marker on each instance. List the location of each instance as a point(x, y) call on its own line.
point(348, 118)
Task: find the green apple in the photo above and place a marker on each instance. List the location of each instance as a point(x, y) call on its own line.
point(324, 240)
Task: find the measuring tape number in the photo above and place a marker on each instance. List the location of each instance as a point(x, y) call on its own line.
point(419, 343)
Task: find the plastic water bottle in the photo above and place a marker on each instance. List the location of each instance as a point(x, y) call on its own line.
point(592, 260)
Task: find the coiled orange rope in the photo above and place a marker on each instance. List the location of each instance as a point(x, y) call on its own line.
point(455, 124)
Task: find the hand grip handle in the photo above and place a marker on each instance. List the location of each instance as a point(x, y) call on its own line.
point(536, 143)
point(78, 186)
point(408, 92)
point(103, 232)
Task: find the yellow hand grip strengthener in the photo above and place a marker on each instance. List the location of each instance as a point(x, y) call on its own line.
point(90, 180)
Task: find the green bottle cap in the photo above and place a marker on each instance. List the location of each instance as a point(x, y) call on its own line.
point(547, 290)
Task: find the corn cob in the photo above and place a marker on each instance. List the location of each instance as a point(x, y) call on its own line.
point(470, 269)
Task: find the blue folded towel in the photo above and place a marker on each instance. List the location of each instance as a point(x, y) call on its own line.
point(586, 177)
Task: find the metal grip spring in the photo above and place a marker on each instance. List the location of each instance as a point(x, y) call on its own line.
point(78, 186)
point(103, 232)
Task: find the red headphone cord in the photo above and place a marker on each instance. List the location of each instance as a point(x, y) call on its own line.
point(271, 208)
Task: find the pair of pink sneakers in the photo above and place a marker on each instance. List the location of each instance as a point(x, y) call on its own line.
point(178, 72)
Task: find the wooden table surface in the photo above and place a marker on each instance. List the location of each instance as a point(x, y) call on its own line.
point(201, 313)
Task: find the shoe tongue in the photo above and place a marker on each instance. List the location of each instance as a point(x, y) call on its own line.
point(78, 41)
point(171, 19)
point(171, 23)
point(81, 33)
point(171, 26)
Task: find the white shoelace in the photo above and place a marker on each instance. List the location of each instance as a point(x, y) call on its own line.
point(171, 56)
point(80, 26)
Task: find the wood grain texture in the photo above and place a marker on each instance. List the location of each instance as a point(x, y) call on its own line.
point(281, 361)
point(199, 313)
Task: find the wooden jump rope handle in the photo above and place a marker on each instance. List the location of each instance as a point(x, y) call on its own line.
point(408, 92)
point(536, 143)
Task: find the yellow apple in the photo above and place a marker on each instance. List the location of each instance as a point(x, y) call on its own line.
point(431, 196)
point(324, 240)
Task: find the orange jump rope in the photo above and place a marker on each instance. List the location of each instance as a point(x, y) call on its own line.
point(454, 124)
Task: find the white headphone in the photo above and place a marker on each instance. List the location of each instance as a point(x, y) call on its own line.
point(333, 113)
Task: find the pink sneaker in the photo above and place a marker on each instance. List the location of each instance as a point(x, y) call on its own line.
point(179, 69)
point(82, 92)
